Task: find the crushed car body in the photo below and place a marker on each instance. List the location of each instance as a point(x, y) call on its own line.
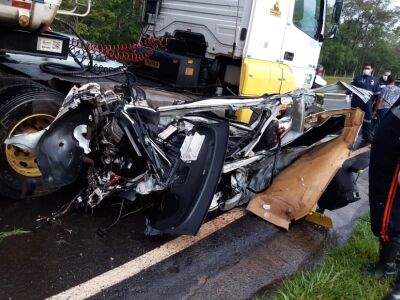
point(132, 141)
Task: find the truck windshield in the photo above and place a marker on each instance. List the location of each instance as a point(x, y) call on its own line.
point(308, 16)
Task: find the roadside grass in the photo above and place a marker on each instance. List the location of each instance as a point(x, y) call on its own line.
point(332, 79)
point(15, 232)
point(340, 274)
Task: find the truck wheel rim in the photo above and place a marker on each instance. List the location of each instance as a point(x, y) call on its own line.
point(22, 161)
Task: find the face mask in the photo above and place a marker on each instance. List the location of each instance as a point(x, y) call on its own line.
point(385, 78)
point(367, 72)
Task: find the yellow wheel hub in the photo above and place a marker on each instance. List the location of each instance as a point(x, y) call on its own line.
point(22, 161)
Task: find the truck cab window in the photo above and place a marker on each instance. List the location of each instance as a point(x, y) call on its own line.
point(307, 16)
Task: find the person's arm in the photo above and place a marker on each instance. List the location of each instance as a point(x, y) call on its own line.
point(380, 98)
point(377, 105)
point(377, 89)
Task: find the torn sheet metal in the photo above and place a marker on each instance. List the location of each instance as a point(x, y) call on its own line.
point(298, 188)
point(26, 142)
point(363, 94)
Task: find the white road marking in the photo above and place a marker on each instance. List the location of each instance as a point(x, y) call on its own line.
point(147, 260)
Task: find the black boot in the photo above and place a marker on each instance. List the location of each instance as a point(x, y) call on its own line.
point(395, 293)
point(386, 266)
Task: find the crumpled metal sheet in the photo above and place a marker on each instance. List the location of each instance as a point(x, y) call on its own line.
point(297, 189)
point(260, 174)
point(363, 94)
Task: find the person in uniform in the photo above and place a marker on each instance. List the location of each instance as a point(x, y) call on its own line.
point(384, 192)
point(368, 82)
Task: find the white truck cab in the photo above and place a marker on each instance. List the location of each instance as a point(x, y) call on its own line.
point(277, 41)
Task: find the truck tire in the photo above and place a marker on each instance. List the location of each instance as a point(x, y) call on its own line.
point(24, 107)
point(7, 81)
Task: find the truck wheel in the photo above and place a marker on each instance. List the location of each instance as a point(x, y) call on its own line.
point(24, 108)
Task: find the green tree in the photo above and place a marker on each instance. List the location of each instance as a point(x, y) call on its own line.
point(109, 22)
point(368, 33)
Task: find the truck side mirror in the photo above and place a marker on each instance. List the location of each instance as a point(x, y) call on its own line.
point(333, 32)
point(336, 14)
point(337, 11)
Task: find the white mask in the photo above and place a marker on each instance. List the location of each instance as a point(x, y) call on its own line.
point(367, 72)
point(385, 78)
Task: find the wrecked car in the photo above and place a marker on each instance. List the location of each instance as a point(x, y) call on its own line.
point(129, 141)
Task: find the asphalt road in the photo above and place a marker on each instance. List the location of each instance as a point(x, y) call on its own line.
point(61, 255)
point(250, 256)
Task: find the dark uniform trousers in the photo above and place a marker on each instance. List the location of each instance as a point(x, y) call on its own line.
point(371, 84)
point(384, 190)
